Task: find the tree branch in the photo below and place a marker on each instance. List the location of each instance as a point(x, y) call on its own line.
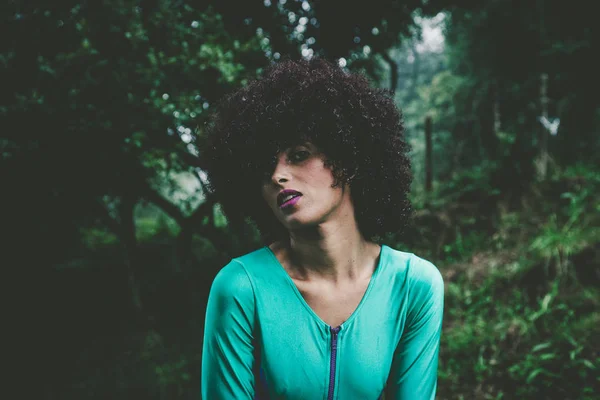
point(393, 68)
point(169, 208)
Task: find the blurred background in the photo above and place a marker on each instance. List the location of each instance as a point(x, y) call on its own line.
point(106, 223)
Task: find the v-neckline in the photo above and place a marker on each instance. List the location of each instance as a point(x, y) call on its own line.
point(320, 321)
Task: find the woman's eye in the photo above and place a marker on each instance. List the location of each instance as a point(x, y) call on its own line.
point(300, 155)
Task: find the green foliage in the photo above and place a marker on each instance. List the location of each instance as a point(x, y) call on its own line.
point(96, 238)
point(576, 224)
point(512, 328)
point(473, 184)
point(497, 344)
point(105, 102)
point(153, 224)
point(173, 376)
point(464, 245)
point(220, 219)
point(171, 369)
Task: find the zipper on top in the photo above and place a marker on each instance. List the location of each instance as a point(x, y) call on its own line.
point(332, 361)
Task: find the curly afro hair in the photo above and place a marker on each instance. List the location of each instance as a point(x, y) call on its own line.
point(358, 128)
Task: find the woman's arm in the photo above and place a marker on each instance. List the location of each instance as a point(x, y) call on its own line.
point(414, 368)
point(227, 356)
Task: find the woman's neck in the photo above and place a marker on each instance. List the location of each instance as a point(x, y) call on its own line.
point(334, 250)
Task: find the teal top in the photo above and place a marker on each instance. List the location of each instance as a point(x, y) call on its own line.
point(263, 341)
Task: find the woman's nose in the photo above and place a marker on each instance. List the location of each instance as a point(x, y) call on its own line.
point(281, 171)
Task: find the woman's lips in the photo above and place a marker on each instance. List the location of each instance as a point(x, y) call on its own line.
point(291, 202)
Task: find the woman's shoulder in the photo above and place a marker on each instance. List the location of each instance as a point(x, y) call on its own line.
point(242, 270)
point(232, 281)
point(418, 272)
point(231, 295)
point(255, 257)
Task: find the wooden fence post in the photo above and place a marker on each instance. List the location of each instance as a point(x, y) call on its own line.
point(428, 156)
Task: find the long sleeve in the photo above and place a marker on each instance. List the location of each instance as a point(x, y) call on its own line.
point(414, 368)
point(227, 356)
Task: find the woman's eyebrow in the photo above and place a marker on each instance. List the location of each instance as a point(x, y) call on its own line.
point(296, 146)
point(307, 144)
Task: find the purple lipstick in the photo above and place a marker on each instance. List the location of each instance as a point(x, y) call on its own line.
point(287, 198)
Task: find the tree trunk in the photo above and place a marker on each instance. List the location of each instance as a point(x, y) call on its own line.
point(414, 80)
point(497, 117)
point(428, 156)
point(129, 241)
point(543, 161)
point(543, 158)
point(394, 71)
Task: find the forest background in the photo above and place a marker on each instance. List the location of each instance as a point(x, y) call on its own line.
point(115, 242)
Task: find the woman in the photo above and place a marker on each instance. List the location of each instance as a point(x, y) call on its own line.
point(316, 158)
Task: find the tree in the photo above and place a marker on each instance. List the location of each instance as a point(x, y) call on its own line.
point(99, 107)
point(546, 38)
point(102, 102)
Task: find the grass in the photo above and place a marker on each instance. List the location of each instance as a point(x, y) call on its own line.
point(506, 337)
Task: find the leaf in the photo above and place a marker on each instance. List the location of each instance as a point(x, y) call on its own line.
point(546, 301)
point(541, 346)
point(548, 356)
point(588, 364)
point(534, 373)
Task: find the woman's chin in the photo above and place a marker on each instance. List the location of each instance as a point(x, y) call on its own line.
point(302, 219)
point(300, 224)
point(295, 224)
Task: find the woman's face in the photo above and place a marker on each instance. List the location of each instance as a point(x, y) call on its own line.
point(299, 190)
